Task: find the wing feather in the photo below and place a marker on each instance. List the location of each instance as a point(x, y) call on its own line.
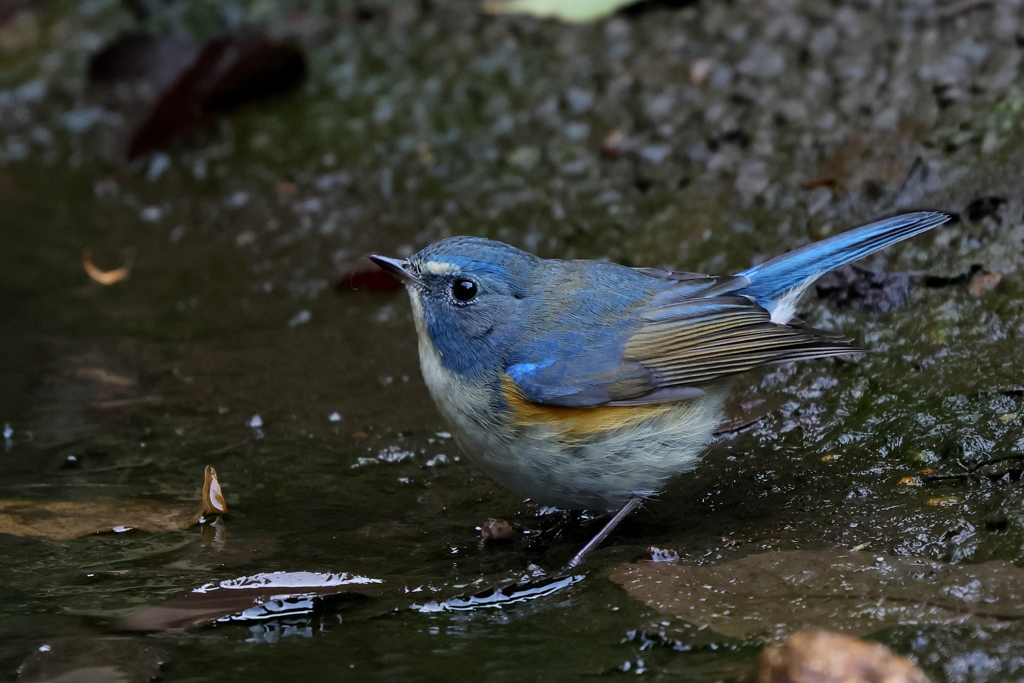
point(691, 329)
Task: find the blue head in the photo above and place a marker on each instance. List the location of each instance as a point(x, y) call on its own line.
point(470, 298)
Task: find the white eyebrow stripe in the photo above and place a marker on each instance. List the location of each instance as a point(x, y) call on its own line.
point(439, 268)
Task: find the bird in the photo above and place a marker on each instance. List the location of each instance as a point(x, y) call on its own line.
point(588, 385)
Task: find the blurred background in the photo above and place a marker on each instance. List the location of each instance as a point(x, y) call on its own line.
point(187, 192)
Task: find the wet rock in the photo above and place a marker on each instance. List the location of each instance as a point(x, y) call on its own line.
point(871, 290)
point(768, 595)
point(823, 657)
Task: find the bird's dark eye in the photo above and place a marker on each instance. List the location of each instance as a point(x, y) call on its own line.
point(464, 290)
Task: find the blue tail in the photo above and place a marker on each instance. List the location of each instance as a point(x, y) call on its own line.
point(772, 280)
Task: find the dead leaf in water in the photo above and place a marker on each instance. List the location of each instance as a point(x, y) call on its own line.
point(251, 598)
point(61, 520)
point(773, 594)
point(228, 71)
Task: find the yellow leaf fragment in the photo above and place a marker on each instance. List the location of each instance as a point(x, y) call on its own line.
point(104, 277)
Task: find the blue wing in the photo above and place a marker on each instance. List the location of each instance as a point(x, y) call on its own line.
point(619, 336)
point(684, 331)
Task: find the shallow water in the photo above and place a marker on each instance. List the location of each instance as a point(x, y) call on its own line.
point(420, 121)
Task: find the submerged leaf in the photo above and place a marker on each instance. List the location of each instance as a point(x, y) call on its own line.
point(250, 598)
point(62, 520)
point(773, 594)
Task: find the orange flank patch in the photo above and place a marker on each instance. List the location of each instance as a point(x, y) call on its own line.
point(578, 422)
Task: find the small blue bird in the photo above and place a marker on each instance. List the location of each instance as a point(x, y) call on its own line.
point(587, 385)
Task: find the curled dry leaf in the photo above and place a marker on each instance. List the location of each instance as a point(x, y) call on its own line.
point(61, 520)
point(817, 656)
point(104, 277)
point(773, 594)
point(213, 497)
point(252, 598)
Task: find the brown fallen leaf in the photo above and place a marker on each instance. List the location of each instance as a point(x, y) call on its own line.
point(983, 284)
point(213, 498)
point(251, 598)
point(61, 520)
point(822, 657)
point(228, 71)
point(771, 595)
point(104, 277)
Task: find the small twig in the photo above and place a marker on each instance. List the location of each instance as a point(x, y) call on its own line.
point(958, 8)
point(971, 470)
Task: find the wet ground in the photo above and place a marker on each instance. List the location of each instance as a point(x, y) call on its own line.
point(701, 137)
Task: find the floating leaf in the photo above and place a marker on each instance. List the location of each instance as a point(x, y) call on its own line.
point(61, 520)
point(566, 10)
point(773, 594)
point(251, 598)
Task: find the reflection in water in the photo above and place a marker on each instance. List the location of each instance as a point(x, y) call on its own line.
point(501, 596)
point(287, 580)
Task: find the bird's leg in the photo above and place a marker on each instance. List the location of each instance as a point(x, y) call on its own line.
point(630, 505)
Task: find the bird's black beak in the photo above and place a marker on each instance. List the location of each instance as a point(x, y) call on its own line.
point(399, 268)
